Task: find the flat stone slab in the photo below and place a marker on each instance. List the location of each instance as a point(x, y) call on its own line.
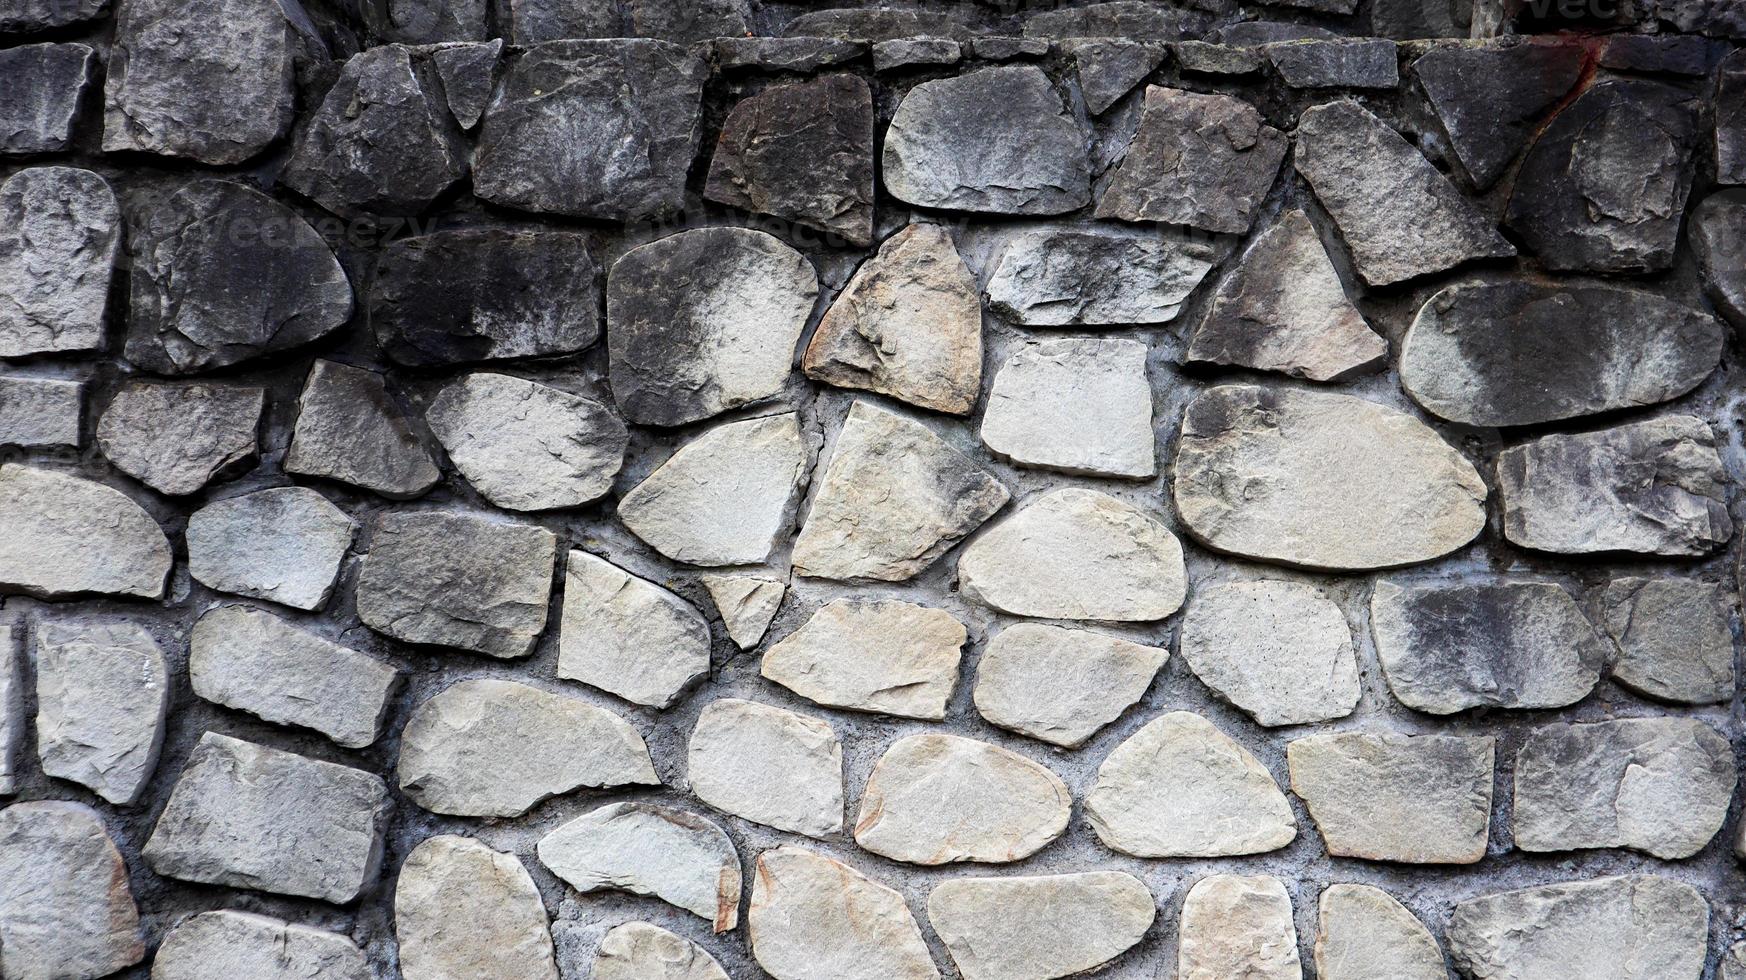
point(462, 909)
point(1488, 100)
point(178, 438)
point(1040, 927)
point(747, 604)
point(1074, 405)
point(1205, 161)
point(1061, 685)
point(60, 234)
point(1381, 796)
point(527, 446)
point(70, 536)
point(245, 946)
point(879, 655)
point(768, 765)
point(1625, 928)
point(37, 412)
point(350, 429)
point(1237, 926)
point(1674, 638)
point(812, 917)
point(628, 636)
point(102, 694)
point(640, 951)
point(1080, 279)
point(41, 103)
point(645, 849)
point(284, 544)
point(65, 906)
point(1364, 934)
point(1280, 651)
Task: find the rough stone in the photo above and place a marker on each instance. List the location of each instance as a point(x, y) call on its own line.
point(812, 918)
point(1280, 651)
point(102, 693)
point(1061, 685)
point(870, 25)
point(1179, 787)
point(1674, 638)
point(527, 446)
point(465, 70)
point(770, 766)
point(249, 816)
point(1039, 928)
point(1718, 239)
point(879, 655)
point(37, 412)
point(178, 438)
point(491, 748)
point(704, 321)
point(462, 909)
point(1236, 926)
point(46, 83)
point(900, 53)
point(60, 233)
point(1365, 934)
point(645, 849)
point(284, 544)
point(27, 16)
point(426, 21)
point(66, 911)
point(1730, 131)
point(69, 536)
point(1625, 928)
point(1321, 480)
point(1075, 405)
point(1347, 63)
point(747, 604)
point(1082, 279)
point(1489, 100)
point(784, 54)
point(1381, 796)
point(350, 429)
point(1657, 785)
point(244, 946)
point(1110, 67)
point(639, 951)
point(1205, 161)
point(628, 636)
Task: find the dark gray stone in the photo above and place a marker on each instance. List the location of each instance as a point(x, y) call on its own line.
point(1345, 63)
point(349, 429)
point(425, 21)
point(908, 52)
point(1122, 18)
point(1205, 161)
point(1488, 100)
point(1718, 239)
point(800, 54)
point(1730, 109)
point(25, 16)
point(530, 22)
point(689, 21)
point(40, 101)
point(1109, 68)
point(1692, 57)
point(37, 412)
point(60, 233)
point(871, 25)
point(178, 438)
point(467, 71)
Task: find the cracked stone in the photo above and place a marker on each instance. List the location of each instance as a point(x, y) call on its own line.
point(770, 766)
point(46, 83)
point(244, 946)
point(527, 446)
point(1674, 638)
point(1489, 100)
point(1718, 239)
point(640, 951)
point(102, 692)
point(462, 909)
point(1110, 67)
point(65, 907)
point(1624, 928)
point(69, 536)
point(628, 636)
point(1205, 161)
point(1041, 927)
point(1074, 405)
point(38, 412)
point(645, 849)
point(1347, 63)
point(284, 545)
point(1280, 651)
point(60, 234)
point(1055, 278)
point(1382, 796)
point(747, 604)
point(878, 655)
point(1365, 934)
point(812, 918)
point(1237, 926)
point(350, 429)
point(1061, 685)
point(178, 438)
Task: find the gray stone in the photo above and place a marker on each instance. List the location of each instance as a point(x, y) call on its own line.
point(894, 498)
point(1280, 651)
point(529, 22)
point(528, 446)
point(1657, 785)
point(1381, 796)
point(639, 951)
point(252, 661)
point(1627, 928)
point(878, 655)
point(1321, 480)
point(995, 140)
point(1496, 644)
point(1655, 487)
point(1039, 928)
point(1364, 934)
point(40, 413)
point(462, 909)
point(1400, 217)
point(1347, 63)
point(747, 604)
point(249, 816)
point(350, 429)
point(243, 946)
point(704, 321)
point(425, 21)
point(689, 21)
point(102, 693)
point(26, 16)
point(1060, 685)
point(1489, 99)
point(1074, 405)
point(783, 54)
point(466, 70)
point(1205, 161)
point(1080, 279)
point(457, 580)
point(60, 233)
point(812, 918)
point(1121, 18)
point(900, 53)
point(1077, 554)
point(70, 536)
point(46, 83)
point(628, 636)
point(284, 545)
point(1110, 67)
point(769, 766)
point(873, 24)
point(1718, 240)
point(66, 911)
point(178, 438)
point(645, 849)
point(491, 748)
point(1730, 131)
point(1235, 926)
point(1674, 638)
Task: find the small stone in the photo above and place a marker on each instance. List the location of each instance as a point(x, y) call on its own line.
point(689, 21)
point(253, 661)
point(801, 152)
point(27, 16)
point(454, 747)
point(527, 446)
point(894, 498)
point(1655, 487)
point(284, 545)
point(908, 52)
point(427, 21)
point(1039, 928)
point(1110, 67)
point(41, 413)
point(1657, 785)
point(1366, 935)
point(462, 909)
point(628, 636)
point(644, 849)
point(1625, 928)
point(908, 325)
point(1205, 161)
point(1280, 651)
point(1675, 642)
point(1283, 308)
point(1381, 796)
point(1321, 480)
point(784, 54)
point(349, 429)
point(102, 693)
point(870, 25)
point(1061, 685)
point(68, 536)
point(466, 69)
point(1181, 788)
point(1730, 132)
point(1122, 18)
point(457, 580)
point(243, 946)
point(813, 918)
point(249, 816)
point(60, 233)
point(1400, 217)
point(994, 140)
point(878, 655)
point(1235, 926)
point(529, 22)
point(1489, 100)
point(1718, 239)
point(704, 321)
point(66, 911)
point(1095, 278)
point(769, 766)
point(639, 951)
point(1356, 63)
point(1074, 405)
point(178, 438)
point(46, 83)
point(747, 604)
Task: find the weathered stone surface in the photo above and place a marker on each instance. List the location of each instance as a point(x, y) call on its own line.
point(1075, 405)
point(457, 580)
point(1655, 486)
point(769, 766)
point(725, 497)
point(704, 321)
point(1109, 68)
point(1061, 685)
point(1181, 788)
point(1518, 353)
point(244, 946)
point(1280, 651)
point(1365, 934)
point(1604, 186)
point(209, 82)
point(1283, 308)
point(900, 53)
point(284, 544)
point(1381, 796)
point(66, 911)
point(1400, 217)
point(1321, 480)
point(813, 918)
point(1488, 100)
point(645, 849)
point(38, 412)
point(639, 951)
point(1038, 928)
point(747, 604)
point(426, 21)
point(178, 438)
point(628, 636)
point(252, 661)
point(894, 498)
point(908, 325)
point(1730, 108)
point(1235, 926)
point(530, 22)
point(1205, 161)
point(597, 129)
point(60, 233)
point(879, 655)
point(941, 799)
point(1674, 638)
point(995, 140)
point(1656, 785)
point(1054, 278)
point(466, 70)
point(102, 692)
point(491, 748)
point(350, 429)
point(1626, 928)
point(223, 274)
point(873, 24)
point(249, 816)
point(783, 54)
point(1718, 239)
point(483, 294)
point(528, 446)
point(68, 536)
point(801, 152)
point(1496, 644)
point(1121, 18)
point(45, 83)
point(462, 909)
point(1077, 554)
point(26, 16)
point(1336, 63)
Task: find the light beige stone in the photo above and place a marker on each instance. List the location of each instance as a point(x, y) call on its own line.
point(645, 849)
point(1061, 685)
point(463, 911)
point(768, 765)
point(628, 636)
point(1365, 934)
point(1039, 928)
point(1236, 926)
point(879, 655)
point(1382, 796)
point(813, 918)
point(1280, 651)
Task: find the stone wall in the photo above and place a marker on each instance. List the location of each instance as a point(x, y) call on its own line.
point(662, 489)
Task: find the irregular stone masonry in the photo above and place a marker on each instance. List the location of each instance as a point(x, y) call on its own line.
point(739, 489)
